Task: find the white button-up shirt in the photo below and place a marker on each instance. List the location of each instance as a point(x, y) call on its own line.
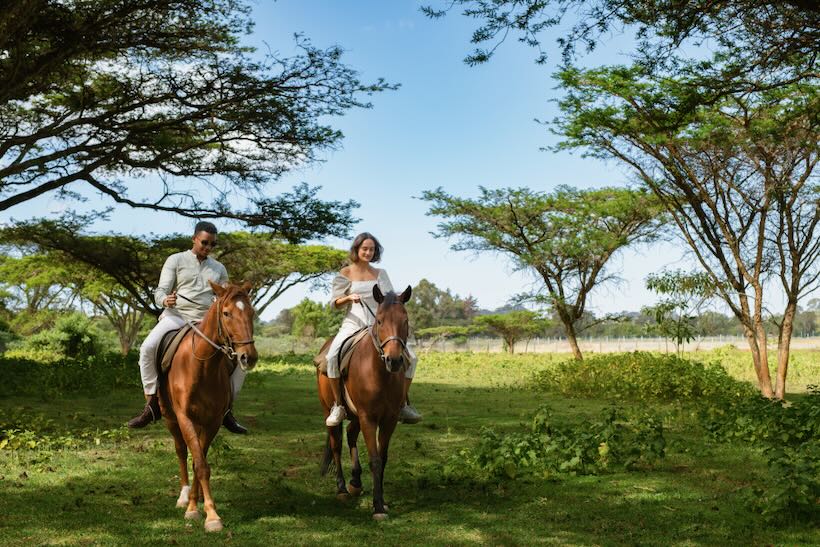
point(185, 274)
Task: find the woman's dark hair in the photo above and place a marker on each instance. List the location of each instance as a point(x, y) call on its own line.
point(357, 242)
point(204, 226)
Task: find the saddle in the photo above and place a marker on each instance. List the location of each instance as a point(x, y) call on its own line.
point(345, 352)
point(168, 346)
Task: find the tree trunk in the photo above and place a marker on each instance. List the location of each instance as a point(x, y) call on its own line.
point(760, 361)
point(510, 341)
point(573, 341)
point(783, 344)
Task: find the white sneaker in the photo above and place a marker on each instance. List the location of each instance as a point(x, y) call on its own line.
point(337, 415)
point(409, 415)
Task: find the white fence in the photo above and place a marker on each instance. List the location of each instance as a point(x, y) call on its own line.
point(604, 345)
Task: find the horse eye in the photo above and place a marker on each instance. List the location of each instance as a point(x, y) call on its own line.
point(226, 314)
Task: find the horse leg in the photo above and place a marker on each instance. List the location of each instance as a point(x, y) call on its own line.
point(368, 426)
point(202, 474)
point(182, 456)
point(213, 522)
point(386, 428)
point(335, 438)
point(355, 486)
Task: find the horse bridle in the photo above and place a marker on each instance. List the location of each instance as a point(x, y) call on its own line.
point(374, 336)
point(227, 348)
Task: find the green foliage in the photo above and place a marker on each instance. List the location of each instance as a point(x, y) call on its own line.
point(565, 238)
point(789, 435)
point(24, 431)
point(73, 336)
point(685, 294)
point(610, 442)
point(272, 265)
point(96, 375)
point(315, 320)
point(640, 376)
point(512, 326)
point(191, 81)
point(431, 307)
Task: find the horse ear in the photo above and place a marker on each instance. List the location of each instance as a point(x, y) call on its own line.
point(247, 286)
point(219, 290)
point(377, 294)
point(405, 296)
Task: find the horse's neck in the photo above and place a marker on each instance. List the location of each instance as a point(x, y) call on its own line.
point(209, 327)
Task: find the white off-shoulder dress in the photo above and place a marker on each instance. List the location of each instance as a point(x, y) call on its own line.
point(357, 317)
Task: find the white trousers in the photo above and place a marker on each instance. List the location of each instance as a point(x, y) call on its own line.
point(148, 355)
point(346, 330)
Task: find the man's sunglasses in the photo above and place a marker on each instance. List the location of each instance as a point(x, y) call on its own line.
point(207, 243)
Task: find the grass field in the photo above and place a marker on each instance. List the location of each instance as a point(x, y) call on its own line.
point(112, 486)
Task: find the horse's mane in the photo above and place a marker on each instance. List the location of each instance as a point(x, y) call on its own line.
point(391, 298)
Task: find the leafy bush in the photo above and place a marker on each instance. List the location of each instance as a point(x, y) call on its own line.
point(95, 375)
point(612, 441)
point(640, 376)
point(72, 336)
point(790, 437)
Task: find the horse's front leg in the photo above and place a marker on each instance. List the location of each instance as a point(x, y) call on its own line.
point(386, 428)
point(198, 442)
point(355, 486)
point(369, 428)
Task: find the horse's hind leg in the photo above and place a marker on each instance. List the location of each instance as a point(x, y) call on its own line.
point(182, 456)
point(336, 448)
point(355, 486)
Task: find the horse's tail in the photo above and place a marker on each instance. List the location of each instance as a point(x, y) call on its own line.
point(327, 459)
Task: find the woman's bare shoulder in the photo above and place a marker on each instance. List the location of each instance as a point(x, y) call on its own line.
point(345, 272)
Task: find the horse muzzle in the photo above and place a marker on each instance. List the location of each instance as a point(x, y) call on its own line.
point(247, 358)
point(393, 364)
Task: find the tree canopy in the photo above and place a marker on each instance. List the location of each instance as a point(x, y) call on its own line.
point(157, 104)
point(565, 238)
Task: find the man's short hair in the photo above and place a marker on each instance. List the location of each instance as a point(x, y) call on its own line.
point(205, 226)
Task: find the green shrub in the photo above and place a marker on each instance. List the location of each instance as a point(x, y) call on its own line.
point(789, 435)
point(612, 441)
point(73, 336)
point(35, 432)
point(640, 376)
point(95, 375)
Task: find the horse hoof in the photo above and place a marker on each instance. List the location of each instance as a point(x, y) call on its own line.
point(343, 496)
point(380, 516)
point(192, 515)
point(213, 525)
point(354, 490)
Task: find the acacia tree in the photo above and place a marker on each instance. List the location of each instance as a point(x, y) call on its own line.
point(158, 105)
point(736, 172)
point(758, 43)
point(274, 266)
point(133, 264)
point(566, 238)
point(512, 326)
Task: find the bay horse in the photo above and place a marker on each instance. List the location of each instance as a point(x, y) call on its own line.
point(375, 388)
point(196, 391)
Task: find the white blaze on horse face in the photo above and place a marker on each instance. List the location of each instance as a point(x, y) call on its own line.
point(240, 305)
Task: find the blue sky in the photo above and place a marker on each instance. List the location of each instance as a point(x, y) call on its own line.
point(448, 125)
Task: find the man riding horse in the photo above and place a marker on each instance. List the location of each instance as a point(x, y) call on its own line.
point(186, 295)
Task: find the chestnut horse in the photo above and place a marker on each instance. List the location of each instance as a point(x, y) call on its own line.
point(375, 387)
point(196, 391)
